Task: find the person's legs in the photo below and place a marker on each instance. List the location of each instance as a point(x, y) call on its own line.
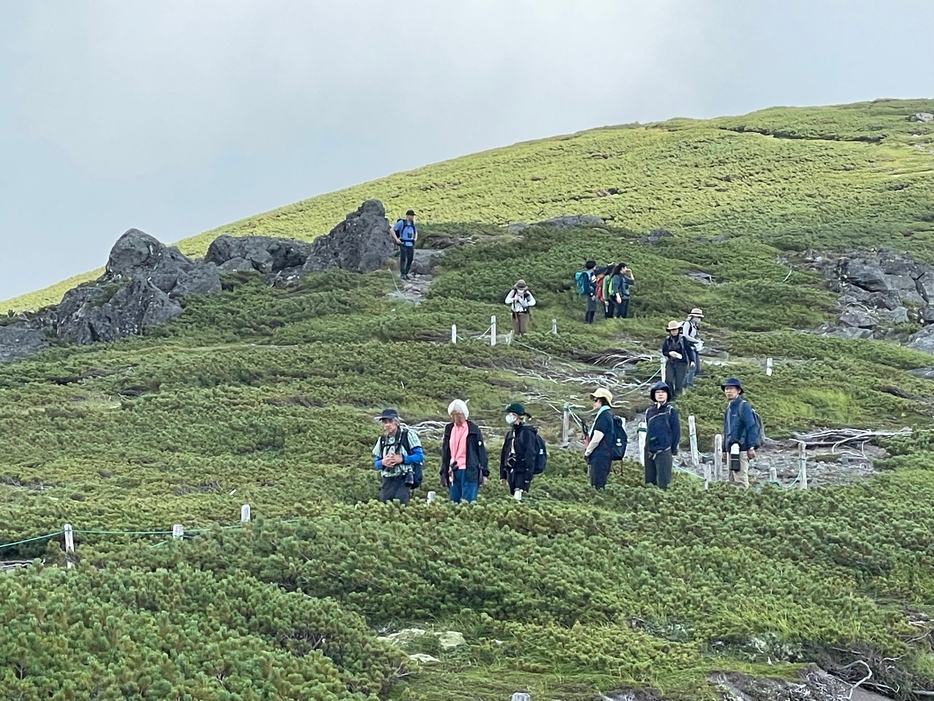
point(663, 463)
point(469, 490)
point(689, 377)
point(515, 324)
point(610, 308)
point(394, 488)
point(599, 471)
point(679, 370)
point(524, 322)
point(457, 486)
point(622, 309)
point(651, 476)
point(408, 255)
point(741, 476)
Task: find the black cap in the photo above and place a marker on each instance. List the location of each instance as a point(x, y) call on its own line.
point(410, 213)
point(389, 415)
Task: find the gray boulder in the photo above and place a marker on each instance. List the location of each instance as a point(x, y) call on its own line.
point(424, 261)
point(517, 227)
point(261, 253)
point(21, 339)
point(923, 340)
point(655, 237)
point(865, 274)
point(361, 243)
point(573, 221)
point(97, 313)
point(921, 117)
point(858, 318)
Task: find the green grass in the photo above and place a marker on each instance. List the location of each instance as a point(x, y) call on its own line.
point(266, 396)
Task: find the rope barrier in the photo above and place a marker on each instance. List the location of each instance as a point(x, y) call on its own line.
point(4, 546)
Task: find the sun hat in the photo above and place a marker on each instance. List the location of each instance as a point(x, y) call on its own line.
point(603, 393)
point(672, 325)
point(516, 408)
point(389, 415)
point(732, 382)
point(657, 386)
point(520, 285)
point(697, 311)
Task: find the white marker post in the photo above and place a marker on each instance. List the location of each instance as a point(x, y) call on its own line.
point(773, 475)
point(453, 333)
point(641, 433)
point(431, 496)
point(492, 330)
point(692, 434)
point(664, 365)
point(245, 513)
point(178, 531)
point(803, 462)
point(768, 367)
point(566, 425)
point(554, 326)
point(69, 545)
point(717, 458)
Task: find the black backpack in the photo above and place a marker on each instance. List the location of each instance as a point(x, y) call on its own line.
point(620, 439)
point(418, 471)
point(541, 454)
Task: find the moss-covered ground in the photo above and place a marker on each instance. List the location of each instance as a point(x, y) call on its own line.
point(266, 396)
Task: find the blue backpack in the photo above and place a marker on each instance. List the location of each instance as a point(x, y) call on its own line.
point(582, 280)
point(405, 227)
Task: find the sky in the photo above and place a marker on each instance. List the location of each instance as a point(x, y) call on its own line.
point(176, 117)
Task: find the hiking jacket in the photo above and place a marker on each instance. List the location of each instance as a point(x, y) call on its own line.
point(620, 285)
point(476, 454)
point(526, 448)
point(390, 445)
point(603, 422)
point(679, 344)
point(520, 302)
point(662, 428)
point(739, 426)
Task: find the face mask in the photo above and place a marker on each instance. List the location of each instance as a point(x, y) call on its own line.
point(510, 419)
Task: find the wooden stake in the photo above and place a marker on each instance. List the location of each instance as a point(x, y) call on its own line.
point(177, 531)
point(453, 333)
point(492, 330)
point(245, 513)
point(69, 545)
point(692, 434)
point(566, 425)
point(641, 433)
point(717, 457)
point(664, 365)
point(768, 367)
point(554, 326)
point(803, 461)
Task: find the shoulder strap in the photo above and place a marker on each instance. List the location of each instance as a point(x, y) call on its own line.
point(404, 440)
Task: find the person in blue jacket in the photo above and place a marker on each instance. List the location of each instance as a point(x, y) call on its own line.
point(739, 433)
point(395, 455)
point(599, 450)
point(405, 234)
point(663, 434)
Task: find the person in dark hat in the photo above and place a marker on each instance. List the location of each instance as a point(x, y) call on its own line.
point(398, 456)
point(740, 433)
point(662, 436)
point(517, 458)
point(405, 234)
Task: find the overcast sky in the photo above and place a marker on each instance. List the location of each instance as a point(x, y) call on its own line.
point(176, 117)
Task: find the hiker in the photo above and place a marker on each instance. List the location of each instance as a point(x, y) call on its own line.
point(517, 458)
point(586, 281)
point(622, 280)
point(463, 455)
point(405, 234)
point(680, 357)
point(662, 436)
point(690, 329)
point(520, 301)
point(398, 456)
point(609, 301)
point(740, 433)
point(599, 450)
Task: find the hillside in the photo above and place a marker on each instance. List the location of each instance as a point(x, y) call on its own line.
point(791, 176)
point(266, 396)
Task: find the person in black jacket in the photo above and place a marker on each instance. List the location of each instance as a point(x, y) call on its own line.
point(463, 455)
point(517, 458)
point(663, 433)
point(679, 356)
point(599, 450)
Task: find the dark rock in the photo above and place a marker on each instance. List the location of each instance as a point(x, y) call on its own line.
point(699, 276)
point(517, 227)
point(262, 253)
point(923, 373)
point(90, 314)
point(424, 261)
point(361, 243)
point(21, 339)
point(858, 318)
point(921, 117)
point(865, 274)
point(654, 238)
point(923, 340)
point(899, 315)
point(573, 221)
point(927, 314)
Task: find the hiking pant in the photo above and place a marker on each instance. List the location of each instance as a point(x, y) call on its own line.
point(461, 489)
point(519, 479)
point(599, 469)
point(675, 374)
point(591, 309)
point(610, 308)
point(406, 253)
point(741, 476)
point(658, 467)
point(394, 489)
point(520, 322)
point(622, 308)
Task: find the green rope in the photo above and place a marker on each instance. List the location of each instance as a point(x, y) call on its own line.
point(30, 540)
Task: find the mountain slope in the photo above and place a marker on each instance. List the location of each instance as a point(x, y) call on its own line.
point(789, 175)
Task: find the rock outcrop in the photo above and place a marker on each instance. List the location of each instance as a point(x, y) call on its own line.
point(361, 243)
point(145, 280)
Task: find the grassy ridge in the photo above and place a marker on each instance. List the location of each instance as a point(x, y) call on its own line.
point(834, 175)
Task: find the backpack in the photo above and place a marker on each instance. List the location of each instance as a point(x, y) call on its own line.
point(599, 285)
point(418, 471)
point(541, 454)
point(582, 278)
point(406, 225)
point(607, 286)
point(620, 438)
point(760, 430)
